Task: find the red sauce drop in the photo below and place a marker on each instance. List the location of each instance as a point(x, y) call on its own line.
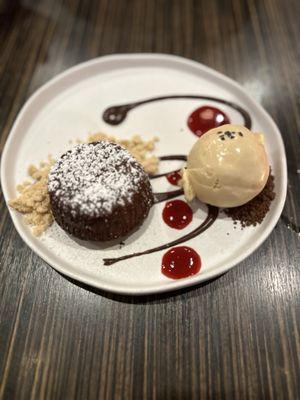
point(180, 262)
point(174, 177)
point(177, 214)
point(205, 118)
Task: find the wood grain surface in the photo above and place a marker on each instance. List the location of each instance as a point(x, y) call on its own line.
point(236, 337)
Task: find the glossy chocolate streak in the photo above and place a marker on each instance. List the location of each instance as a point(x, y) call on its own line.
point(116, 114)
point(209, 220)
point(167, 158)
point(163, 196)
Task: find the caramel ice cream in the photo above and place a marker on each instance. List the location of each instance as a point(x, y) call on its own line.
point(226, 167)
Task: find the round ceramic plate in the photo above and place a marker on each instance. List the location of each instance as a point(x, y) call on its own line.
point(70, 106)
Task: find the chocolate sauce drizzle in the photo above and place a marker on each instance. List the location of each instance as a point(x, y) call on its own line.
point(209, 220)
point(169, 158)
point(163, 196)
point(116, 114)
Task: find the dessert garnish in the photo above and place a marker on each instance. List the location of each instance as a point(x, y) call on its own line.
point(180, 262)
point(253, 212)
point(33, 199)
point(174, 177)
point(205, 118)
point(177, 214)
point(212, 214)
point(115, 115)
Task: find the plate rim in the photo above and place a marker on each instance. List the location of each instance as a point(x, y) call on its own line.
point(172, 285)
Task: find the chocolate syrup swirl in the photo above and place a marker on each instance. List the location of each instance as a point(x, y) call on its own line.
point(163, 196)
point(209, 220)
point(116, 114)
point(169, 158)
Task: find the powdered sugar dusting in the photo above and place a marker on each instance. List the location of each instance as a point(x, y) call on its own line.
point(94, 178)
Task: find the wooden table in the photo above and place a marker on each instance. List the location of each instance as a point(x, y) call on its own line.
point(234, 338)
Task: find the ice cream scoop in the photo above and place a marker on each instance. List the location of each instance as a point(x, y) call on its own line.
point(226, 167)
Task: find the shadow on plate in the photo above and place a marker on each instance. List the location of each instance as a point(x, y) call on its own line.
point(191, 291)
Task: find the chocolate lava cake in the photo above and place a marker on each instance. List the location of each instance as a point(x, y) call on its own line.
point(98, 191)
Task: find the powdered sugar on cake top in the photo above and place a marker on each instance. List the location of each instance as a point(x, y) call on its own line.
point(94, 178)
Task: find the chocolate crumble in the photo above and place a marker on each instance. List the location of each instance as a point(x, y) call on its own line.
point(254, 212)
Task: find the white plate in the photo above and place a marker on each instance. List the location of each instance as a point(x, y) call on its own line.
point(70, 107)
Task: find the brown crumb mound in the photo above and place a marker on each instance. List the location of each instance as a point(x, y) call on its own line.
point(33, 200)
point(253, 212)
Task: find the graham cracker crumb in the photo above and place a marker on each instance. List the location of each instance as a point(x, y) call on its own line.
point(33, 199)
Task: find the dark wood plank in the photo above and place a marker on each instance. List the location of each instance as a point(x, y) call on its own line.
point(234, 338)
